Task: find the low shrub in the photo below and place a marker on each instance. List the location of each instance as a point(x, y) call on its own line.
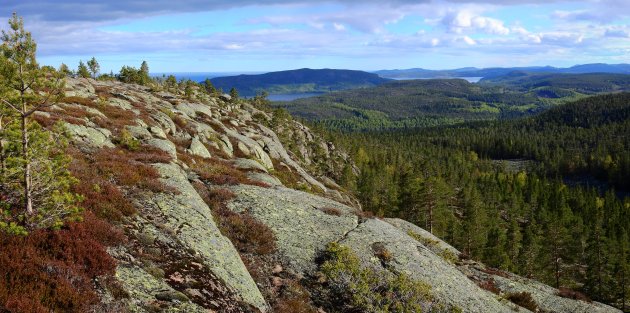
point(382, 253)
point(246, 233)
point(332, 211)
point(523, 299)
point(489, 285)
point(218, 172)
point(434, 245)
point(355, 288)
point(53, 271)
point(103, 173)
point(572, 294)
point(79, 100)
point(293, 298)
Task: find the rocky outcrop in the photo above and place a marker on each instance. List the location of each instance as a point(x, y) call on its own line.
point(298, 219)
point(179, 261)
point(191, 219)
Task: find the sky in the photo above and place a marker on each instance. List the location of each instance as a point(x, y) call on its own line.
point(270, 35)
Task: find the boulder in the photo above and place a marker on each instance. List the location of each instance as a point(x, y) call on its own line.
point(164, 145)
point(93, 137)
point(248, 164)
point(265, 178)
point(157, 132)
point(197, 148)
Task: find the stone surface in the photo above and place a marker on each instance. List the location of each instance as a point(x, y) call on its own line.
point(301, 228)
point(406, 227)
point(265, 178)
point(157, 132)
point(249, 164)
point(412, 258)
point(93, 137)
point(144, 289)
point(191, 217)
point(139, 132)
point(197, 148)
point(164, 145)
point(545, 296)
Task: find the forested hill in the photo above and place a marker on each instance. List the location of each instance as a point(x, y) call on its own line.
point(298, 81)
point(499, 192)
point(553, 85)
point(433, 102)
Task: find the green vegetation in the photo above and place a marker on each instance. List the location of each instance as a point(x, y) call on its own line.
point(34, 181)
point(50, 251)
point(298, 81)
point(428, 103)
point(354, 288)
point(527, 221)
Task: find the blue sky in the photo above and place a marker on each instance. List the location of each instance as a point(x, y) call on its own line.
point(251, 36)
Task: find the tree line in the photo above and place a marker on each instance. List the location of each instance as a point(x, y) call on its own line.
point(524, 220)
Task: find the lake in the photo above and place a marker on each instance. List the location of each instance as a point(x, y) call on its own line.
point(469, 79)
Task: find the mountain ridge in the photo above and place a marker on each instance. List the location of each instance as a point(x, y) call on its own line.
point(298, 81)
point(621, 68)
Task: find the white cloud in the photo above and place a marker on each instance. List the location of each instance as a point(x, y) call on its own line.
point(469, 40)
point(466, 21)
point(339, 27)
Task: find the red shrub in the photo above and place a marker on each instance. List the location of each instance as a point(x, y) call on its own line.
point(332, 211)
point(52, 271)
point(489, 285)
point(523, 299)
point(102, 175)
point(246, 233)
point(572, 294)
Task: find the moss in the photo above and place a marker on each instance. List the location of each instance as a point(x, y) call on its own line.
point(127, 141)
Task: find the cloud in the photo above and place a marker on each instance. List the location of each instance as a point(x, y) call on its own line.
point(462, 21)
point(367, 19)
point(100, 11)
point(617, 32)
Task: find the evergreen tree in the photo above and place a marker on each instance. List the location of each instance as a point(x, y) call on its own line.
point(234, 95)
point(171, 82)
point(144, 77)
point(209, 87)
point(34, 159)
point(83, 70)
point(64, 69)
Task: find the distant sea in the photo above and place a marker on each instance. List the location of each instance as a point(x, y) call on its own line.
point(201, 76)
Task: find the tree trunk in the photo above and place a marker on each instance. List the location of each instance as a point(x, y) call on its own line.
point(28, 198)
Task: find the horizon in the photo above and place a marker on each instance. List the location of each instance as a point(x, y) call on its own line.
point(265, 36)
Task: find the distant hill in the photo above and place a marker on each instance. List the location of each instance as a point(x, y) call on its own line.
point(299, 81)
point(501, 71)
point(554, 85)
point(432, 102)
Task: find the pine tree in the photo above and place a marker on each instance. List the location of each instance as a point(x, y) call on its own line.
point(234, 95)
point(34, 160)
point(83, 70)
point(144, 73)
point(63, 68)
point(209, 87)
